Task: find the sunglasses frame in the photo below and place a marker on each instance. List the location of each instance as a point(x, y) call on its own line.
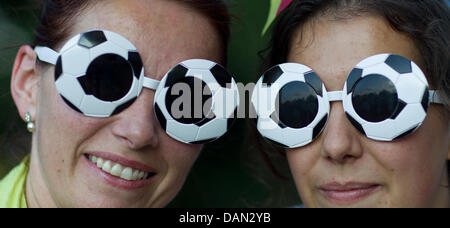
point(276, 132)
point(179, 131)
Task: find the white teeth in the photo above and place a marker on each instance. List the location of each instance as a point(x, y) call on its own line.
point(93, 159)
point(141, 175)
point(107, 167)
point(135, 175)
point(115, 169)
point(99, 163)
point(127, 174)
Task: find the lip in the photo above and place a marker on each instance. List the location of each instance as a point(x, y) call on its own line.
point(116, 181)
point(123, 161)
point(348, 192)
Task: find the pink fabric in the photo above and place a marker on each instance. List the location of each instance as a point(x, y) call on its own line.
point(284, 4)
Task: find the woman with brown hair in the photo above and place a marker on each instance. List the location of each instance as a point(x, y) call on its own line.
point(363, 101)
point(86, 153)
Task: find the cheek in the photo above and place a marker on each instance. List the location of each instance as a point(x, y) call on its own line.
point(302, 162)
point(61, 130)
point(408, 172)
point(413, 166)
point(180, 157)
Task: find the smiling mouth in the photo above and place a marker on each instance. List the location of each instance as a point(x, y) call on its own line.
point(120, 171)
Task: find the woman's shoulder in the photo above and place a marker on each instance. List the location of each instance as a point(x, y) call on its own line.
point(12, 186)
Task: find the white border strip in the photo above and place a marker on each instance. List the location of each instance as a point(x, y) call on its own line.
point(150, 83)
point(46, 54)
point(434, 98)
point(335, 96)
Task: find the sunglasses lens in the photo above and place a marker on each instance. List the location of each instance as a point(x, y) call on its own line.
point(198, 98)
point(109, 78)
point(298, 105)
point(196, 102)
point(375, 98)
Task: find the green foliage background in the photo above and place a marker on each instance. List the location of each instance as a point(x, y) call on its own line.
point(229, 172)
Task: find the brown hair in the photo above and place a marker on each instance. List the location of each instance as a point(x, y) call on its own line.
point(55, 22)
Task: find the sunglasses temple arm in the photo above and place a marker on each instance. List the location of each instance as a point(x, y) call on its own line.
point(434, 97)
point(150, 83)
point(46, 54)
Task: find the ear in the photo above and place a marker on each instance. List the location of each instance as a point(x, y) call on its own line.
point(25, 81)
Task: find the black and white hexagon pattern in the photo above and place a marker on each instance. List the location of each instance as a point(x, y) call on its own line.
point(223, 105)
point(99, 73)
point(409, 99)
point(298, 128)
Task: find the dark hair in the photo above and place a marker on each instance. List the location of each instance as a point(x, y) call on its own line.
point(58, 15)
point(426, 22)
point(55, 21)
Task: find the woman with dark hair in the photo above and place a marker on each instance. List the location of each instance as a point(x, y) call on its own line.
point(97, 141)
point(360, 106)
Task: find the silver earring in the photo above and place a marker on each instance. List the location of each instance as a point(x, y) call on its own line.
point(30, 123)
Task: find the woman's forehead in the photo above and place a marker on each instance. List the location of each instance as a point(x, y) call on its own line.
point(332, 48)
point(161, 31)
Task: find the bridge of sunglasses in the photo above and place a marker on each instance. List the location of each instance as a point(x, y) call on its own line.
point(335, 96)
point(50, 56)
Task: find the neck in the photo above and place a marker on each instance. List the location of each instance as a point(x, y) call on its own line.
point(37, 192)
point(443, 195)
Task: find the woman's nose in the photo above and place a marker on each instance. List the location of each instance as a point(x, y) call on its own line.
point(136, 126)
point(341, 142)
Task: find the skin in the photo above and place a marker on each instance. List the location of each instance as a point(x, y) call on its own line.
point(59, 176)
point(412, 171)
